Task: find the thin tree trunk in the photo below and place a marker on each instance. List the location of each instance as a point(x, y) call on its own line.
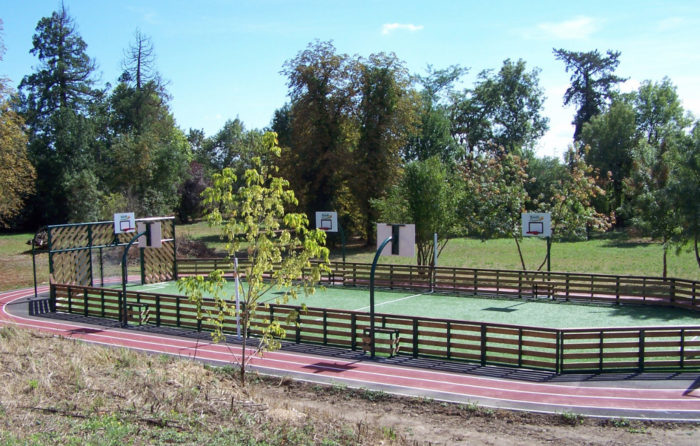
point(520, 253)
point(697, 253)
point(665, 252)
point(245, 344)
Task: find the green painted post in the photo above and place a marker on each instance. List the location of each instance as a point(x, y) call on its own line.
point(89, 231)
point(483, 345)
point(175, 276)
point(143, 267)
point(371, 294)
point(34, 267)
point(122, 308)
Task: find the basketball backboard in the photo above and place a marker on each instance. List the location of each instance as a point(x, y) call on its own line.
point(406, 239)
point(327, 221)
point(536, 224)
point(124, 223)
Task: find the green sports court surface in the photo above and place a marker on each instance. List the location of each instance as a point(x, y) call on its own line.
point(539, 313)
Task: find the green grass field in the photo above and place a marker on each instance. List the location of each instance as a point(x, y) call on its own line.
point(611, 253)
point(540, 313)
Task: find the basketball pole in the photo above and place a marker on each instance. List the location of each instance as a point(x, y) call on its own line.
point(371, 294)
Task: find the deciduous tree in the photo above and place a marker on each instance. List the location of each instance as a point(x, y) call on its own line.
point(425, 195)
point(16, 172)
point(253, 217)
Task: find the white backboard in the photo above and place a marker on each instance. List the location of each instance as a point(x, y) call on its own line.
point(327, 220)
point(156, 235)
point(536, 224)
point(407, 239)
point(124, 223)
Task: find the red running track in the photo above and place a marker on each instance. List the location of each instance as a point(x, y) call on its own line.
point(677, 399)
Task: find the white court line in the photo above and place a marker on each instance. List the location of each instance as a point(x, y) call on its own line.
point(389, 302)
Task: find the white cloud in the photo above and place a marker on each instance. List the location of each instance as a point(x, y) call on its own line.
point(579, 28)
point(391, 27)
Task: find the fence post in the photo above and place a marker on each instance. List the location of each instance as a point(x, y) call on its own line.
point(567, 286)
point(617, 290)
point(449, 339)
point(483, 345)
point(158, 310)
point(298, 328)
point(325, 326)
point(102, 302)
point(415, 337)
point(520, 347)
point(520, 284)
point(353, 331)
point(70, 300)
point(682, 351)
point(673, 290)
point(641, 350)
point(177, 311)
point(600, 353)
point(85, 302)
point(559, 353)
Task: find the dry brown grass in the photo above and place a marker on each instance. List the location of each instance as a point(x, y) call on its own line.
point(62, 391)
point(57, 390)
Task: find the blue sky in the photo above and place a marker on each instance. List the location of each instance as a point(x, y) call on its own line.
point(222, 58)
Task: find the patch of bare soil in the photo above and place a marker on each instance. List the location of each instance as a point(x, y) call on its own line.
point(422, 421)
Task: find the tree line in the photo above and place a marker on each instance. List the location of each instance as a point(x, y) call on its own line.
point(359, 135)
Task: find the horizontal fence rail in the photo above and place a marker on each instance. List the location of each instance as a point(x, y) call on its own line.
point(558, 350)
point(602, 288)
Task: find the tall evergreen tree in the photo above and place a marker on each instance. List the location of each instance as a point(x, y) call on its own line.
point(593, 83)
point(55, 102)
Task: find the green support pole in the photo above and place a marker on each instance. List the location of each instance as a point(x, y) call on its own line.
point(123, 317)
point(34, 266)
point(174, 252)
point(371, 294)
point(89, 234)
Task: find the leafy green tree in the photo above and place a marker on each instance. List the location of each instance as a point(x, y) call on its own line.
point(233, 146)
point(593, 83)
point(148, 156)
point(684, 189)
point(611, 139)
point(570, 200)
point(55, 102)
point(503, 111)
point(17, 174)
point(659, 113)
point(278, 243)
point(433, 135)
point(322, 93)
point(426, 196)
point(494, 196)
point(386, 116)
point(650, 205)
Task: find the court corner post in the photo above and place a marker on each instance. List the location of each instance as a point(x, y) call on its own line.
point(371, 293)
